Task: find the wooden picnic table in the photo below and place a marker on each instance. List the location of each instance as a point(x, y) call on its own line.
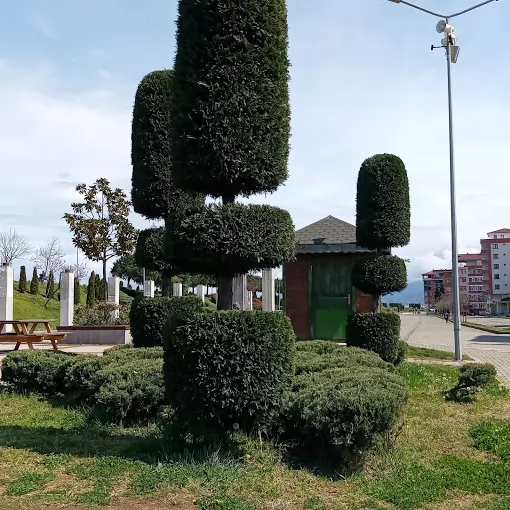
point(25, 332)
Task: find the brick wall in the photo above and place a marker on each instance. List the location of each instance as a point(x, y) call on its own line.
point(363, 302)
point(296, 299)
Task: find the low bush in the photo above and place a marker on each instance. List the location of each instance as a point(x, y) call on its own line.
point(148, 317)
point(343, 399)
point(226, 368)
point(102, 314)
point(37, 371)
point(80, 375)
point(133, 353)
point(472, 379)
point(377, 332)
point(129, 391)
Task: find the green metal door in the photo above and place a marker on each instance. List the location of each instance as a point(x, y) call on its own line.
point(330, 297)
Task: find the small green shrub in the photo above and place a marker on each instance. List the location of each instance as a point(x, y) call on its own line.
point(377, 332)
point(339, 413)
point(148, 317)
point(101, 313)
point(38, 371)
point(80, 375)
point(319, 355)
point(134, 353)
point(472, 379)
point(129, 391)
point(226, 368)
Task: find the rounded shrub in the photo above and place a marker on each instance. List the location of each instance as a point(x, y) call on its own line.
point(226, 368)
point(235, 238)
point(37, 371)
point(380, 275)
point(148, 316)
point(153, 193)
point(149, 251)
point(231, 113)
point(377, 332)
point(383, 211)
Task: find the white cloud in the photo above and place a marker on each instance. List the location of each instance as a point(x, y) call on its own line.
point(45, 27)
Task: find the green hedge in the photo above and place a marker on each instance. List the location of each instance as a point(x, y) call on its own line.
point(235, 238)
point(380, 275)
point(153, 193)
point(148, 317)
point(38, 371)
point(383, 211)
point(226, 368)
point(343, 400)
point(231, 112)
point(377, 332)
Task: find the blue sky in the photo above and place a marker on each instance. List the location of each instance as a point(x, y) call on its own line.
point(363, 81)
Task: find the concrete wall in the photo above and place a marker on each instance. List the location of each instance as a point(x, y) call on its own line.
point(96, 335)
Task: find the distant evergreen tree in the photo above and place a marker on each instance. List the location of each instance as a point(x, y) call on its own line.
point(91, 290)
point(22, 285)
point(77, 293)
point(50, 286)
point(97, 287)
point(34, 283)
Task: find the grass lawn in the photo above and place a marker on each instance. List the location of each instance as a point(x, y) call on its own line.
point(448, 456)
point(498, 330)
point(424, 353)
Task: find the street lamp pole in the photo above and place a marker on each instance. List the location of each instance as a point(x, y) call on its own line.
point(452, 51)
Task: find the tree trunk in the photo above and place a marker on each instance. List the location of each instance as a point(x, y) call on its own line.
point(376, 298)
point(105, 284)
point(224, 299)
point(166, 286)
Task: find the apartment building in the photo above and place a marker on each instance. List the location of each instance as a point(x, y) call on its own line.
point(471, 281)
point(435, 282)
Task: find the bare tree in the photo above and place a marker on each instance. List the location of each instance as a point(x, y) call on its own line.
point(13, 245)
point(50, 258)
point(80, 271)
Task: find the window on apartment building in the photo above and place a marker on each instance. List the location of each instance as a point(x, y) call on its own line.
point(495, 236)
point(496, 287)
point(484, 246)
point(496, 266)
point(463, 280)
point(496, 276)
point(495, 246)
point(495, 256)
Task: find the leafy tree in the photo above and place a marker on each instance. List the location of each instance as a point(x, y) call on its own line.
point(125, 267)
point(50, 286)
point(100, 223)
point(230, 136)
point(34, 283)
point(153, 193)
point(91, 290)
point(22, 284)
point(77, 291)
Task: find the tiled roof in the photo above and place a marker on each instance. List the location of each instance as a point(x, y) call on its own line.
point(470, 256)
point(329, 230)
point(329, 235)
point(500, 231)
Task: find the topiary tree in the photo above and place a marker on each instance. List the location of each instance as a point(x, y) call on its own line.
point(153, 193)
point(230, 126)
point(22, 284)
point(77, 291)
point(50, 286)
point(34, 283)
point(383, 222)
point(91, 290)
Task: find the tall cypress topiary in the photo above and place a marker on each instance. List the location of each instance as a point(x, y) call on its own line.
point(22, 284)
point(50, 286)
point(77, 291)
point(153, 193)
point(34, 283)
point(383, 222)
point(230, 127)
point(91, 290)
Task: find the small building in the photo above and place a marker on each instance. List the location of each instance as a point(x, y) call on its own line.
point(319, 295)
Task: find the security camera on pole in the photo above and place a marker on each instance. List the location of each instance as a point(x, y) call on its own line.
point(449, 43)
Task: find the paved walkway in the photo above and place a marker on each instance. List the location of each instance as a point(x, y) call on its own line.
point(434, 333)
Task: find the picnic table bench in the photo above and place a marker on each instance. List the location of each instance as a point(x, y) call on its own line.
point(25, 331)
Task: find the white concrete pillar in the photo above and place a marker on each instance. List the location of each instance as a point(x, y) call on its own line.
point(148, 290)
point(177, 289)
point(249, 300)
point(268, 290)
point(239, 291)
point(114, 292)
point(201, 292)
point(66, 299)
point(6, 296)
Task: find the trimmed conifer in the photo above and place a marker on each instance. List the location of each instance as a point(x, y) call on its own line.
point(22, 284)
point(34, 283)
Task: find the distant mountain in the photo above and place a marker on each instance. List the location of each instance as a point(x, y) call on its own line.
point(412, 294)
